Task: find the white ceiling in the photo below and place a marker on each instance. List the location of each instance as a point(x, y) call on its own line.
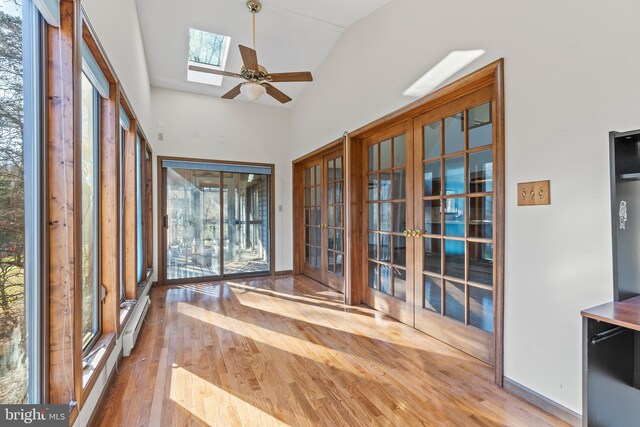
point(291, 35)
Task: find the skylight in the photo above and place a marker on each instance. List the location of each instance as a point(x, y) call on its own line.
point(207, 50)
point(442, 71)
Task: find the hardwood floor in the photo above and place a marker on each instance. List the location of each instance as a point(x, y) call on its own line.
point(286, 351)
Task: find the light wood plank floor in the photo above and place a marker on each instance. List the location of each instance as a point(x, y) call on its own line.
point(286, 351)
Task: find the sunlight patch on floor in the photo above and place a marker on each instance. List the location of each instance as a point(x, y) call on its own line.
point(184, 385)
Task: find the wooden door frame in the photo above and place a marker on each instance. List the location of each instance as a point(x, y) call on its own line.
point(491, 75)
point(161, 194)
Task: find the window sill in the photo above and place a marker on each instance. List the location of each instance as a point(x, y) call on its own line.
point(125, 313)
point(91, 372)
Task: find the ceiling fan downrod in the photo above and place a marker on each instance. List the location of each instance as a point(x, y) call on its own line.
point(254, 7)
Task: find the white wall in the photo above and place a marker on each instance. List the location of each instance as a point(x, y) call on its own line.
point(205, 127)
point(571, 76)
point(118, 29)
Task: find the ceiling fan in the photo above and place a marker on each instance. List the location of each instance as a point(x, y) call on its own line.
point(258, 79)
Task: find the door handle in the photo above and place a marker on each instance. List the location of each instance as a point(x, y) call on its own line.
point(417, 233)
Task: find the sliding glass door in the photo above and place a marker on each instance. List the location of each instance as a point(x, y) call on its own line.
point(216, 220)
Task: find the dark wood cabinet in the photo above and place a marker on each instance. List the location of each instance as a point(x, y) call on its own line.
point(611, 364)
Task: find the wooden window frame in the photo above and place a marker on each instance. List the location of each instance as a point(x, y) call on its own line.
point(67, 381)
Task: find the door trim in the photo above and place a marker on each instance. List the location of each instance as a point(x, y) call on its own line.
point(161, 210)
point(491, 76)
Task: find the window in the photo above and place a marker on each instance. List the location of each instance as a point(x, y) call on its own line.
point(125, 125)
point(207, 50)
point(140, 270)
point(90, 185)
point(20, 202)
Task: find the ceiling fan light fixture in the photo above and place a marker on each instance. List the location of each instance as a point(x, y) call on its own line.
point(252, 91)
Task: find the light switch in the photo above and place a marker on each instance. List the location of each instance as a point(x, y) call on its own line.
point(536, 193)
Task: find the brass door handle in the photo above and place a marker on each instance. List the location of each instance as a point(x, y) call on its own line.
point(406, 233)
point(417, 233)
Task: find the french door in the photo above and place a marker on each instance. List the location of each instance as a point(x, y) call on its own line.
point(389, 187)
point(216, 220)
point(430, 227)
point(323, 204)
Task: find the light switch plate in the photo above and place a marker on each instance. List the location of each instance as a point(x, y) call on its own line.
point(536, 193)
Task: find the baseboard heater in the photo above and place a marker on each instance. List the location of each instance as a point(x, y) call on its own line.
point(134, 325)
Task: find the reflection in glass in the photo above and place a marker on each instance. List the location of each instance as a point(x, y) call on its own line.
point(432, 217)
point(373, 187)
point(399, 184)
point(454, 217)
point(454, 300)
point(385, 247)
point(481, 309)
point(399, 151)
point(453, 134)
point(481, 217)
point(331, 193)
point(481, 172)
point(373, 246)
point(89, 244)
point(373, 158)
point(480, 128)
point(331, 267)
point(373, 216)
point(432, 255)
point(481, 263)
point(385, 186)
point(339, 240)
point(385, 154)
point(432, 179)
point(339, 269)
point(338, 166)
point(454, 175)
point(454, 258)
point(331, 216)
point(399, 217)
point(400, 283)
point(385, 279)
point(432, 140)
point(385, 216)
point(432, 294)
point(399, 251)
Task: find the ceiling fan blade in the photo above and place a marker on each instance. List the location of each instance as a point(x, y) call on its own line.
point(280, 96)
point(301, 76)
point(250, 58)
point(232, 93)
point(212, 71)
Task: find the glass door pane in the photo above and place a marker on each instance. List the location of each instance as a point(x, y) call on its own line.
point(456, 265)
point(193, 223)
point(335, 214)
point(313, 217)
point(387, 216)
point(246, 223)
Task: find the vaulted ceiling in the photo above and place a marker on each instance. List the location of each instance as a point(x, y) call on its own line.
point(291, 35)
